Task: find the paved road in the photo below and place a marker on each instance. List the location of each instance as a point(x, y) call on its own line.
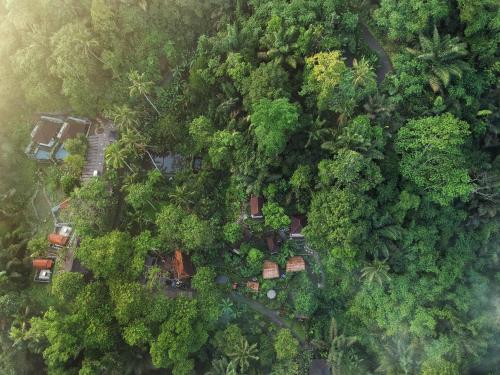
point(267, 312)
point(385, 63)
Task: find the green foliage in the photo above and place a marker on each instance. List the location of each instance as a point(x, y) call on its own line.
point(432, 157)
point(255, 257)
point(71, 172)
point(268, 81)
point(324, 73)
point(398, 182)
point(181, 334)
point(442, 56)
point(107, 256)
point(285, 345)
point(66, 286)
point(226, 340)
point(439, 366)
point(404, 19)
point(38, 245)
point(91, 207)
point(180, 229)
point(76, 146)
point(274, 122)
point(243, 353)
point(232, 232)
point(224, 142)
point(275, 216)
point(201, 130)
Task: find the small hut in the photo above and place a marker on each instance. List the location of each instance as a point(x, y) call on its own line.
point(253, 286)
point(270, 270)
point(58, 240)
point(256, 204)
point(43, 269)
point(295, 264)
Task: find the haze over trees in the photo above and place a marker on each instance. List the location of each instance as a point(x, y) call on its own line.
point(391, 153)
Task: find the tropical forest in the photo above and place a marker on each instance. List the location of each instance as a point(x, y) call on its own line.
point(249, 187)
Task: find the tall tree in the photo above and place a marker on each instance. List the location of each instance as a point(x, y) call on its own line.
point(139, 86)
point(432, 156)
point(442, 56)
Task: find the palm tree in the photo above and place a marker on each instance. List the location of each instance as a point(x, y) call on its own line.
point(88, 48)
point(377, 271)
point(182, 196)
point(222, 367)
point(378, 106)
point(339, 344)
point(243, 353)
point(318, 132)
point(116, 156)
point(398, 356)
point(20, 326)
point(123, 116)
point(442, 56)
point(227, 308)
point(363, 73)
point(139, 86)
point(154, 276)
point(135, 142)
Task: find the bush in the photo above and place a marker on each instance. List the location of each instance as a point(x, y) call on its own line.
point(232, 233)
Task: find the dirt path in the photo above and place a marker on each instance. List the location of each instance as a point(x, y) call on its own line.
point(385, 66)
point(267, 312)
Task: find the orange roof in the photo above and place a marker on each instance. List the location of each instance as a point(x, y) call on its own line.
point(270, 270)
point(183, 268)
point(42, 264)
point(57, 239)
point(295, 264)
point(253, 285)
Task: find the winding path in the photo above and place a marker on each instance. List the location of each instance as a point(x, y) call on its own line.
point(385, 66)
point(267, 312)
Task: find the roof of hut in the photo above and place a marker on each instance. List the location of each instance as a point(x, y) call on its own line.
point(295, 264)
point(270, 270)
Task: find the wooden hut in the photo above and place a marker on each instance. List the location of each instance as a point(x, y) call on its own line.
point(295, 264)
point(253, 286)
point(58, 240)
point(270, 270)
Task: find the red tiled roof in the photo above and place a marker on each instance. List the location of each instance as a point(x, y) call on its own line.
point(256, 206)
point(42, 264)
point(270, 270)
point(295, 264)
point(57, 239)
